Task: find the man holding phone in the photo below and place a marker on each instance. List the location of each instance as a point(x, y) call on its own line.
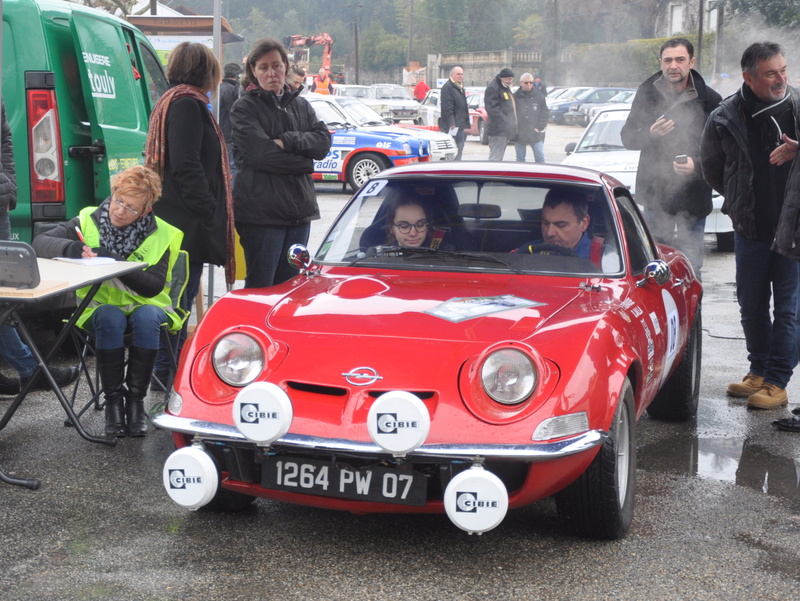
point(666, 123)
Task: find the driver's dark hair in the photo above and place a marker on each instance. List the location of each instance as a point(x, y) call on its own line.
point(674, 43)
point(575, 198)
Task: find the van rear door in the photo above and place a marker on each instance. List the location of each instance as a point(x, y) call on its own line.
point(117, 113)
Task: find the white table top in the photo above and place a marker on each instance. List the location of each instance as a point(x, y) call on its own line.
point(58, 277)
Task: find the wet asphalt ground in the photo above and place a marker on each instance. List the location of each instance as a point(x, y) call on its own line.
point(717, 513)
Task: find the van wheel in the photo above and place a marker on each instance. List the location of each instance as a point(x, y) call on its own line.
point(363, 167)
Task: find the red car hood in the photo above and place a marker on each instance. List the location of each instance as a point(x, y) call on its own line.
point(446, 306)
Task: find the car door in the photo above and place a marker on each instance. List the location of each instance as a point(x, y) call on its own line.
point(118, 111)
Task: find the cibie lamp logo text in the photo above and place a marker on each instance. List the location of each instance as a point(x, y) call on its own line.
point(251, 414)
point(178, 479)
point(389, 424)
point(468, 502)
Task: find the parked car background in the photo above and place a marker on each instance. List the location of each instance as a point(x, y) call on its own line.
point(359, 153)
point(578, 111)
point(620, 100)
point(600, 148)
point(442, 146)
point(365, 94)
point(404, 107)
point(430, 111)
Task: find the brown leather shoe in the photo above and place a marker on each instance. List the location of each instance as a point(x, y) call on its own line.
point(769, 396)
point(749, 385)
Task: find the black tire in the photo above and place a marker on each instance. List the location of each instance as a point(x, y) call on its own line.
point(482, 135)
point(599, 504)
point(677, 401)
point(725, 242)
point(364, 166)
point(227, 501)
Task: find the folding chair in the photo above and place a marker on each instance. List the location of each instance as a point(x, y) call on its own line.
point(84, 343)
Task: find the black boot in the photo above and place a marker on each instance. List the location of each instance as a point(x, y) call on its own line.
point(140, 367)
point(111, 367)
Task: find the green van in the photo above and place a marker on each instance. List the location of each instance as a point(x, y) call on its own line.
point(79, 85)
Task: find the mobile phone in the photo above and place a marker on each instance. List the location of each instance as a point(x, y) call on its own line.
point(682, 159)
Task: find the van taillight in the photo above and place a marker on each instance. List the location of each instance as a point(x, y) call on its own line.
point(47, 166)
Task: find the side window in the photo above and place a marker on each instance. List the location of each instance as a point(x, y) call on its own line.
point(640, 246)
point(154, 74)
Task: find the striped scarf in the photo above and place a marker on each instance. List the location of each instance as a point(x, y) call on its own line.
point(156, 151)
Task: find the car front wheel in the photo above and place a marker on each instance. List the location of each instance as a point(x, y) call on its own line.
point(363, 167)
point(599, 504)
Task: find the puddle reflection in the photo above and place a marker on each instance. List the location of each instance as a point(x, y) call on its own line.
point(738, 460)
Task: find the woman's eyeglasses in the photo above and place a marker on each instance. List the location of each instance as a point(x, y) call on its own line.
point(122, 204)
point(404, 227)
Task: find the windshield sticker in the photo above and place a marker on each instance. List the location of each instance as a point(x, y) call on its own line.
point(461, 309)
point(374, 187)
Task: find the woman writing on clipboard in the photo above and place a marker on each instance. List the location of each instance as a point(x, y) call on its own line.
point(124, 228)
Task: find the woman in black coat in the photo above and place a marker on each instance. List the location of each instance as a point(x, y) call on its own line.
point(277, 137)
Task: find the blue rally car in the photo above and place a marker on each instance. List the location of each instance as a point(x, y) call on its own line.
point(359, 153)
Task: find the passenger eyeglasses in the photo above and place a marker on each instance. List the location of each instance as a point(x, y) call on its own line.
point(122, 204)
point(404, 227)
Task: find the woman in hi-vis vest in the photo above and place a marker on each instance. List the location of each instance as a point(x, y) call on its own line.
point(124, 227)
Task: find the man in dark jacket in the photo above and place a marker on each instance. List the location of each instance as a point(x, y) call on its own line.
point(455, 112)
point(532, 116)
point(228, 93)
point(746, 156)
point(666, 122)
point(501, 125)
point(12, 349)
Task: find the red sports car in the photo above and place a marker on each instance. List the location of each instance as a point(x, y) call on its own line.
point(447, 350)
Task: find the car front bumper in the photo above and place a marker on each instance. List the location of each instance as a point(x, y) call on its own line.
point(535, 452)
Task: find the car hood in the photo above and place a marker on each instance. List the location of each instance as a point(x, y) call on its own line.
point(427, 134)
point(622, 164)
point(454, 307)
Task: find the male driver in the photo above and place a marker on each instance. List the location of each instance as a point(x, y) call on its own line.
point(322, 84)
point(296, 77)
point(565, 219)
point(746, 157)
point(501, 125)
point(666, 122)
point(455, 112)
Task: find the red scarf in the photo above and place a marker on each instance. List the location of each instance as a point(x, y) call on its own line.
point(156, 153)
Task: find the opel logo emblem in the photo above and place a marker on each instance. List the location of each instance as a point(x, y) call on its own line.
point(362, 376)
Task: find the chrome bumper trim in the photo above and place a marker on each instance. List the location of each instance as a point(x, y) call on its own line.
point(543, 451)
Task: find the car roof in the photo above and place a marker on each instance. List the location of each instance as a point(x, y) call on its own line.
point(470, 169)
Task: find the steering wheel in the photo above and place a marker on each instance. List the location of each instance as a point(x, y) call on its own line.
point(549, 249)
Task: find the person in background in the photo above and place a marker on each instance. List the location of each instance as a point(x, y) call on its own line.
point(322, 83)
point(747, 154)
point(277, 138)
point(532, 117)
point(296, 78)
point(421, 89)
point(538, 84)
point(228, 93)
point(454, 117)
point(666, 123)
point(186, 147)
point(124, 228)
point(501, 125)
point(12, 348)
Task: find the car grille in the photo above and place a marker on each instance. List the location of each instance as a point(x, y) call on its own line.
point(443, 144)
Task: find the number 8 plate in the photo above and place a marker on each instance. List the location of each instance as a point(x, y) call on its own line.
point(313, 477)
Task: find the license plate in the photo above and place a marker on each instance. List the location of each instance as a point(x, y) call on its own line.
point(324, 478)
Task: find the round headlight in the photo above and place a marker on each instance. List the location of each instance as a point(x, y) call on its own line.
point(238, 359)
point(508, 376)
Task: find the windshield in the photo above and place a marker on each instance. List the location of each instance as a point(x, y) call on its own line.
point(331, 114)
point(604, 133)
point(359, 92)
point(393, 92)
point(360, 113)
point(476, 224)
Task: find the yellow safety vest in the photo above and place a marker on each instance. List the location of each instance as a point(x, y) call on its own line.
point(114, 292)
